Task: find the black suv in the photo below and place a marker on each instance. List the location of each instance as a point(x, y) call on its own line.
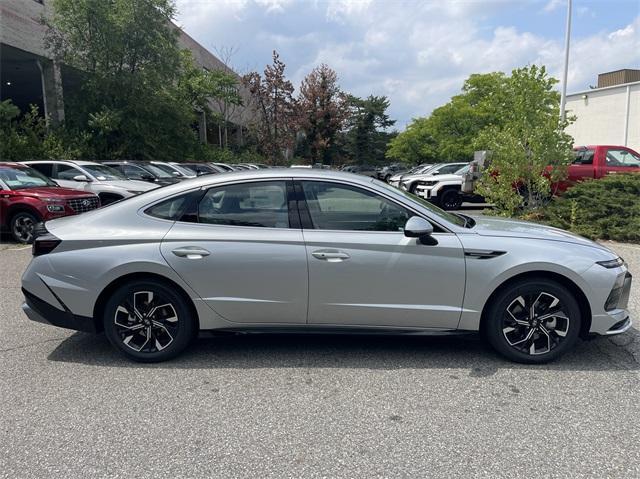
point(140, 170)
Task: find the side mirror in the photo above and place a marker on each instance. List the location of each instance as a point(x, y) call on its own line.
point(81, 178)
point(420, 228)
point(147, 178)
point(175, 173)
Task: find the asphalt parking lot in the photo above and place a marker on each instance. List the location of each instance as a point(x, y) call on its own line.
point(311, 406)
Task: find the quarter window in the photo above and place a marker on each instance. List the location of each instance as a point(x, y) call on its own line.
point(258, 204)
point(171, 209)
point(335, 206)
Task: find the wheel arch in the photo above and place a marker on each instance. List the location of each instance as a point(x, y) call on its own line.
point(22, 208)
point(106, 293)
point(581, 298)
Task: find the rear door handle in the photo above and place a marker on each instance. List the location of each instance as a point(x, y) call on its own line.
point(330, 255)
point(191, 252)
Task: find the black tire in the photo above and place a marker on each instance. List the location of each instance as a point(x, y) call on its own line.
point(555, 326)
point(142, 326)
point(450, 200)
point(412, 188)
point(22, 225)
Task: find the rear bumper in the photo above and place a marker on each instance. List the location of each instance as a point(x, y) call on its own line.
point(43, 312)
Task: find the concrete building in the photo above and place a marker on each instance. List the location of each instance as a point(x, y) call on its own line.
point(608, 114)
point(28, 74)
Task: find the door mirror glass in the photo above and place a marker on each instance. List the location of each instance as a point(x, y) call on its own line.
point(82, 178)
point(417, 227)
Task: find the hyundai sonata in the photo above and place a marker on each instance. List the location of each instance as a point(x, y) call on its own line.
point(317, 251)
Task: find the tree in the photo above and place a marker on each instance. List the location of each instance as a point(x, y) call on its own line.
point(322, 111)
point(200, 87)
point(140, 94)
point(275, 107)
point(227, 106)
point(529, 149)
point(365, 140)
point(448, 133)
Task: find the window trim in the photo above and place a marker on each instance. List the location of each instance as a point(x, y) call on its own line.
point(307, 223)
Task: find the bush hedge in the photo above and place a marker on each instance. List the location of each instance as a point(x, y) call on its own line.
point(608, 208)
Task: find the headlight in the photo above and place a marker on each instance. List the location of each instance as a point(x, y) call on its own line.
point(611, 263)
point(429, 183)
point(55, 208)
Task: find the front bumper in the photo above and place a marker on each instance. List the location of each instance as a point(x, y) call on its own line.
point(42, 312)
point(617, 320)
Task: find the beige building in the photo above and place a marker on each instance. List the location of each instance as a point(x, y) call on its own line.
point(608, 114)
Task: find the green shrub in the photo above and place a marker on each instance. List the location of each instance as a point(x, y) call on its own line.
point(608, 208)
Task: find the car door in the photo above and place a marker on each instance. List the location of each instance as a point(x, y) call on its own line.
point(363, 271)
point(64, 175)
point(582, 166)
point(244, 253)
point(620, 160)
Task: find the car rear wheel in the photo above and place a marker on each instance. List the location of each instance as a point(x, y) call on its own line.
point(148, 321)
point(533, 321)
point(23, 226)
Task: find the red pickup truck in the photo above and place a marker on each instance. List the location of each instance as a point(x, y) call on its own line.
point(596, 161)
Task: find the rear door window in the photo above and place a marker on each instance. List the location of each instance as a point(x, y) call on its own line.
point(261, 204)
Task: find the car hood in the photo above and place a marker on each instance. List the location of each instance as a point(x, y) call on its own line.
point(523, 229)
point(54, 192)
point(439, 177)
point(132, 185)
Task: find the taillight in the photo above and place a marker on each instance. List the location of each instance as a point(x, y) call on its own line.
point(44, 244)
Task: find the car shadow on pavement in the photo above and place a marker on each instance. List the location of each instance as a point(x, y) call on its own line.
point(348, 351)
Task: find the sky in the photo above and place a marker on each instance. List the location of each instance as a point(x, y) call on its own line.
point(417, 52)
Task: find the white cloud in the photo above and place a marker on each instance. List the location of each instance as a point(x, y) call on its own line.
point(554, 4)
point(418, 53)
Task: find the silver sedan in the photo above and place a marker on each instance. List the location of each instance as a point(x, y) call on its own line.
point(317, 251)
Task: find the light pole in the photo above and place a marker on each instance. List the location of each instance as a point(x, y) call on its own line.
point(563, 95)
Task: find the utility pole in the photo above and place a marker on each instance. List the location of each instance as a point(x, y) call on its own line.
point(563, 96)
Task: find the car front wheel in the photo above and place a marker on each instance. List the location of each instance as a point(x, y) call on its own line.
point(533, 321)
point(148, 321)
point(23, 226)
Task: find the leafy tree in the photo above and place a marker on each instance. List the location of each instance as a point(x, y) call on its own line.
point(365, 140)
point(28, 136)
point(322, 111)
point(529, 149)
point(272, 97)
point(140, 93)
point(449, 132)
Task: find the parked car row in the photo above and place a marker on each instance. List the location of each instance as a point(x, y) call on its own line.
point(35, 191)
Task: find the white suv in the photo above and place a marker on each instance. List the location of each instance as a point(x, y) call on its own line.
point(109, 184)
point(443, 190)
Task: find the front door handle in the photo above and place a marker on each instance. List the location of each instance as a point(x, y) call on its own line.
point(330, 255)
point(191, 252)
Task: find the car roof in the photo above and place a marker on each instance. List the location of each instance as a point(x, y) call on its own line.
point(71, 162)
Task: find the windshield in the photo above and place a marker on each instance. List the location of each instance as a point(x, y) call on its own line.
point(450, 217)
point(104, 172)
point(463, 170)
point(21, 178)
point(157, 172)
point(175, 168)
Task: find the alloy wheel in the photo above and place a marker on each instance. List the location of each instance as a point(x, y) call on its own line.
point(23, 227)
point(146, 321)
point(536, 323)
